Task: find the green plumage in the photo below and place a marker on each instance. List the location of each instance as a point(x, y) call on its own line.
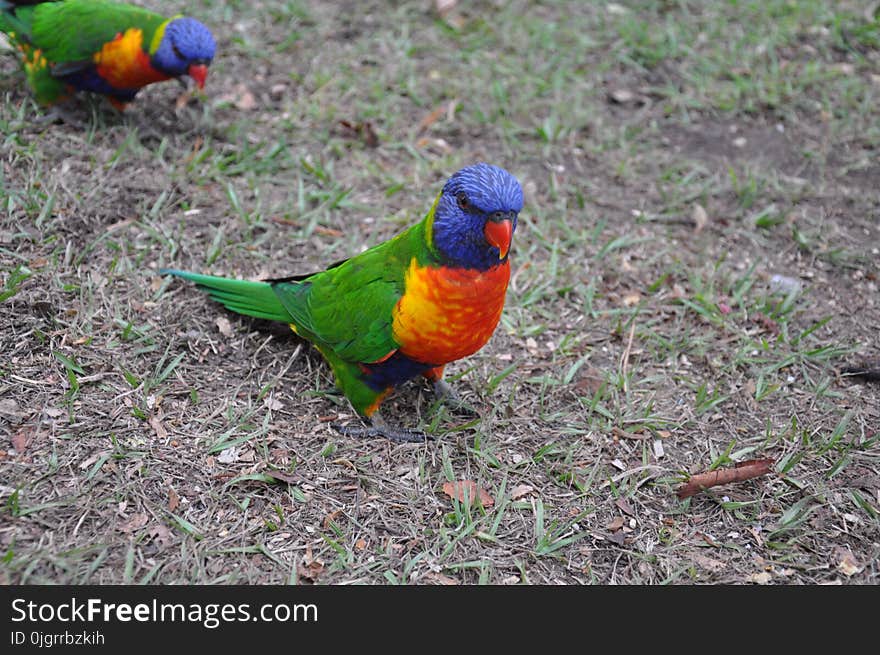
point(345, 311)
point(74, 30)
point(68, 34)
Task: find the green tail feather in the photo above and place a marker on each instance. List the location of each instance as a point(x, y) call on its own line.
point(241, 296)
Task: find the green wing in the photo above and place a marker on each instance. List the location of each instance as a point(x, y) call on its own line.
point(74, 30)
point(16, 20)
point(349, 308)
point(346, 310)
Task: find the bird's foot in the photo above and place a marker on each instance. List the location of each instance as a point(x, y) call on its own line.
point(378, 428)
point(451, 399)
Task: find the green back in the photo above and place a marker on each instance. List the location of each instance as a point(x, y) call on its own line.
point(75, 30)
point(16, 21)
point(349, 308)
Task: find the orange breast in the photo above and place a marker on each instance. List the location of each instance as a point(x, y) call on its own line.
point(124, 64)
point(448, 313)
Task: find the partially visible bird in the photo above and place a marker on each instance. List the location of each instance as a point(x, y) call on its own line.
point(406, 307)
point(105, 47)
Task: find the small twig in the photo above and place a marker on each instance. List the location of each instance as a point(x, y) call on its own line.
point(751, 468)
point(625, 359)
point(623, 434)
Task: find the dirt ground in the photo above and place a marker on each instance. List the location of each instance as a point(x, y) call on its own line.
point(695, 266)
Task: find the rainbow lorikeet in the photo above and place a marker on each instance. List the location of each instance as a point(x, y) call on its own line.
point(406, 307)
point(104, 47)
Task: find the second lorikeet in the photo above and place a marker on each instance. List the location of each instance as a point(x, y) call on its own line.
point(406, 307)
point(105, 47)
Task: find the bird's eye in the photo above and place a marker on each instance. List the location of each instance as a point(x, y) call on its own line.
point(462, 199)
point(177, 52)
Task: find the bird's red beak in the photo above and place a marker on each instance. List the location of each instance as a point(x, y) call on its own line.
point(499, 234)
point(199, 73)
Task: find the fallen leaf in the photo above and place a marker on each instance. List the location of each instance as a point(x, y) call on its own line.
point(20, 441)
point(759, 578)
point(91, 459)
point(9, 409)
point(160, 535)
point(459, 489)
point(447, 108)
point(616, 524)
point(618, 538)
point(244, 99)
point(311, 566)
point(364, 131)
point(156, 423)
point(136, 522)
point(279, 454)
point(847, 564)
point(331, 518)
point(289, 478)
point(658, 449)
point(624, 506)
point(277, 91)
point(621, 96)
point(228, 455)
point(521, 490)
point(699, 217)
point(784, 284)
point(631, 299)
point(767, 323)
point(757, 537)
point(431, 118)
point(360, 544)
point(173, 500)
point(711, 565)
point(709, 540)
point(328, 231)
point(439, 578)
point(443, 7)
point(439, 145)
point(271, 403)
point(224, 326)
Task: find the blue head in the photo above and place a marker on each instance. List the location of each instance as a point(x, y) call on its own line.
point(187, 48)
point(476, 216)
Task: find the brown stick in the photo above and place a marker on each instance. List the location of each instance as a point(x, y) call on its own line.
point(751, 468)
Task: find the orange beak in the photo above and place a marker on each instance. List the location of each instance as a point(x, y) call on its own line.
point(499, 234)
point(199, 72)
